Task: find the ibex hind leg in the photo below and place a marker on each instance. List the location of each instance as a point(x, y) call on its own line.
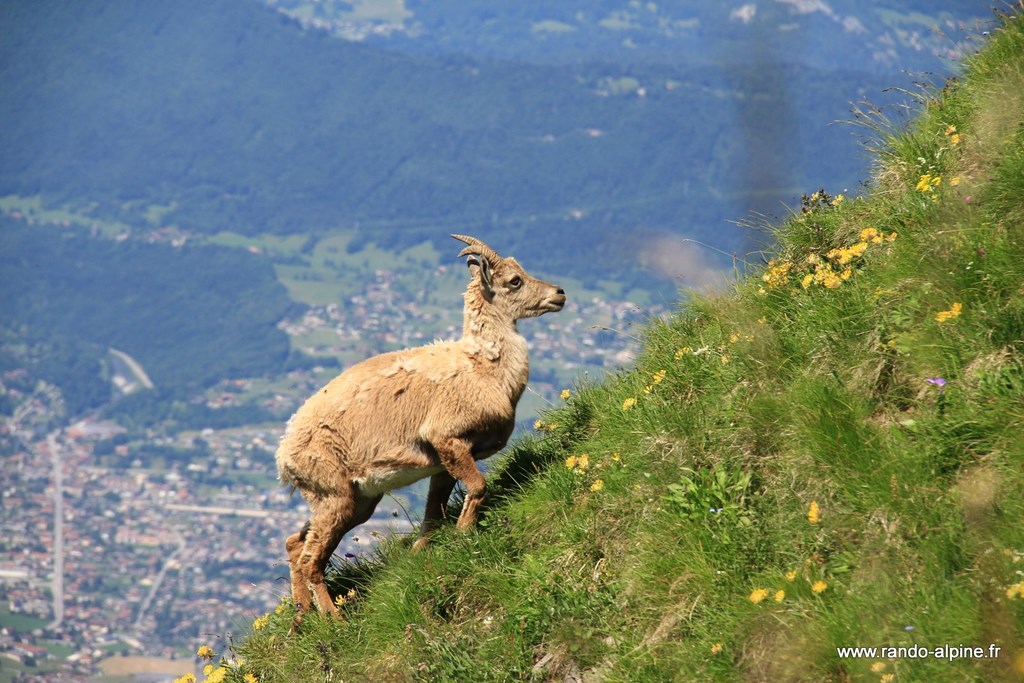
point(301, 596)
point(333, 517)
point(293, 544)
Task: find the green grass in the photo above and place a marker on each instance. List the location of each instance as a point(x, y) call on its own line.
point(646, 560)
point(21, 623)
point(34, 209)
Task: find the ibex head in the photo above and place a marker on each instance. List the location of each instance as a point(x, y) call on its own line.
point(507, 286)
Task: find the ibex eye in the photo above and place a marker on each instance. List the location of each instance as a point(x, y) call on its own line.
point(516, 281)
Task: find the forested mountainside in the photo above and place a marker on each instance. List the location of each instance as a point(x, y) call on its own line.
point(229, 116)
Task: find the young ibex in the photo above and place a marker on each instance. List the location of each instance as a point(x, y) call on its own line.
point(398, 417)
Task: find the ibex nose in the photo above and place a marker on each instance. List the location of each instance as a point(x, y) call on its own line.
point(561, 291)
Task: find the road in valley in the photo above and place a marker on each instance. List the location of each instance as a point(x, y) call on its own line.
point(58, 530)
point(168, 563)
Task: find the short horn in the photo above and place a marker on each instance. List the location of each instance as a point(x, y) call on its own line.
point(477, 247)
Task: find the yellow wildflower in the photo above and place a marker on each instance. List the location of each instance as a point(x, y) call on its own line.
point(1015, 590)
point(217, 675)
point(566, 394)
point(819, 587)
point(878, 667)
point(813, 259)
point(780, 595)
point(954, 139)
point(842, 256)
point(250, 678)
point(838, 199)
point(831, 281)
point(777, 274)
point(870, 235)
point(928, 182)
point(807, 280)
point(887, 678)
point(261, 623)
point(716, 648)
point(187, 678)
point(791, 575)
point(597, 485)
point(208, 669)
point(204, 652)
point(950, 130)
point(953, 312)
point(658, 377)
point(280, 608)
point(685, 351)
point(616, 457)
point(758, 595)
point(891, 237)
point(340, 601)
point(955, 180)
point(628, 403)
point(538, 425)
point(578, 463)
point(814, 512)
point(725, 358)
point(351, 595)
point(762, 321)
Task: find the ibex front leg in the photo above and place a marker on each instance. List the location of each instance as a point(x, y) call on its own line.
point(457, 457)
point(441, 485)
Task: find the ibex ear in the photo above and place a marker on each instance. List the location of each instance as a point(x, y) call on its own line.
point(484, 269)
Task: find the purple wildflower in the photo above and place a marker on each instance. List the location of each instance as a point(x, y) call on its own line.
point(940, 382)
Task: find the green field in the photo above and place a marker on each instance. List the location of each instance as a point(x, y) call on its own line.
point(22, 623)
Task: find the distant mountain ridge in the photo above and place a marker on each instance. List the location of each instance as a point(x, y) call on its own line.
point(881, 35)
point(237, 119)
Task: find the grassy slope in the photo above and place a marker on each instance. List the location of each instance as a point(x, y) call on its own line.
point(756, 404)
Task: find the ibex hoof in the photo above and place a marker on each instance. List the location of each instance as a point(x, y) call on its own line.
point(297, 621)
